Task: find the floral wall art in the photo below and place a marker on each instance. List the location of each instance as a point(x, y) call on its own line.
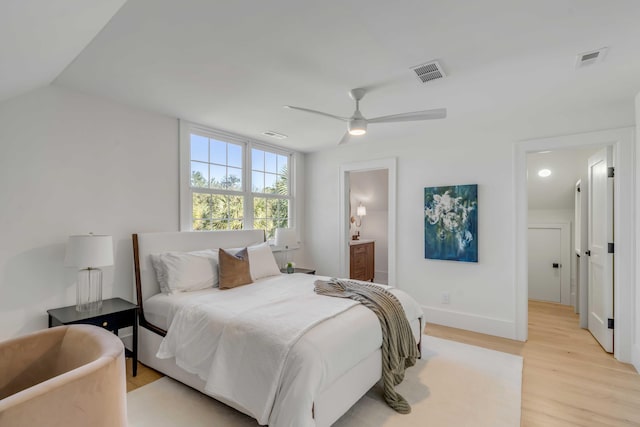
point(451, 223)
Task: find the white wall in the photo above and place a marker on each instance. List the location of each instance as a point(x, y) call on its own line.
point(482, 294)
point(72, 163)
point(550, 216)
point(457, 150)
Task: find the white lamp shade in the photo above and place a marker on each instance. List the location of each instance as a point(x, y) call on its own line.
point(286, 238)
point(361, 211)
point(88, 251)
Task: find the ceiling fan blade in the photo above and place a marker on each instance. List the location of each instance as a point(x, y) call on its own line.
point(345, 138)
point(306, 110)
point(439, 113)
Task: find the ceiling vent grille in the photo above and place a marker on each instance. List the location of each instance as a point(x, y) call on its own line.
point(275, 135)
point(591, 57)
point(430, 71)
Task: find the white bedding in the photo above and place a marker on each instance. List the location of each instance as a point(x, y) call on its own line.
point(324, 353)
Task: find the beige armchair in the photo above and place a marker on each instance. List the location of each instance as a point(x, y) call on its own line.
point(65, 376)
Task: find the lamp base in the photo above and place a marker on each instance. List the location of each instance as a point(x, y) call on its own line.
point(89, 290)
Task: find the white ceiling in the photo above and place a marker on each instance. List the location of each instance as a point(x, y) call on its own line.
point(557, 190)
point(233, 65)
point(39, 38)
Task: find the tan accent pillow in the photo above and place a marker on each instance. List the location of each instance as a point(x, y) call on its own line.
point(234, 269)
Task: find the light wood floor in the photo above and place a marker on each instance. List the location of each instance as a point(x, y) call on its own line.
point(568, 380)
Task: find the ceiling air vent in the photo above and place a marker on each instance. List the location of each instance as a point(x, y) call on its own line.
point(275, 135)
point(591, 57)
point(430, 71)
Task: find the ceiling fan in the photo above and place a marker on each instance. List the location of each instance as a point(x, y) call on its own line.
point(357, 123)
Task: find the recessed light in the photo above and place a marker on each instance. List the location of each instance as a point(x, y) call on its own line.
point(544, 173)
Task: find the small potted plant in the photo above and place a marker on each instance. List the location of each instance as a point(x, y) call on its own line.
point(290, 267)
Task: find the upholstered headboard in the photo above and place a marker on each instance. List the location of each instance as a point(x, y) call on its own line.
point(145, 244)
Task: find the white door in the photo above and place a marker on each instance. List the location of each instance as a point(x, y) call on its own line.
point(545, 279)
point(600, 226)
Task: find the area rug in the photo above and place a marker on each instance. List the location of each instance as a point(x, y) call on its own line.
point(453, 385)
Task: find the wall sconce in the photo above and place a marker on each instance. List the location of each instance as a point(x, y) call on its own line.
point(360, 212)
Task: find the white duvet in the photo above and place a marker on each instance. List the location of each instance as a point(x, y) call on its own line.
point(249, 345)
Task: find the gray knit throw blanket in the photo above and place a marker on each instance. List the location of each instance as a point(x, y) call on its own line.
point(399, 348)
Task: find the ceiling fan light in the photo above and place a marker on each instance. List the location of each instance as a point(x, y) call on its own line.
point(357, 127)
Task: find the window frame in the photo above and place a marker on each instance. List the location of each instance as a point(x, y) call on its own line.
point(247, 144)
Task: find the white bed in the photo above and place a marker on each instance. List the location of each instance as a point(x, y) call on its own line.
point(346, 347)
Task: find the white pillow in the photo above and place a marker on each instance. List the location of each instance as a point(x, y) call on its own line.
point(161, 272)
point(186, 271)
point(262, 263)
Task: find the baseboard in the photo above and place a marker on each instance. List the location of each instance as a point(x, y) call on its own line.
point(470, 322)
point(635, 357)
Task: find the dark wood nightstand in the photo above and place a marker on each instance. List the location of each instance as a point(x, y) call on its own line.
point(299, 270)
point(114, 314)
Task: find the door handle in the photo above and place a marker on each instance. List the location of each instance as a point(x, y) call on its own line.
point(557, 265)
point(587, 253)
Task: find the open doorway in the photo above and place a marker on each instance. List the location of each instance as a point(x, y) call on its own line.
point(552, 178)
point(369, 225)
point(622, 146)
point(559, 241)
point(373, 190)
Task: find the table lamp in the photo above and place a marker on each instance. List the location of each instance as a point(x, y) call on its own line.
point(286, 240)
point(87, 252)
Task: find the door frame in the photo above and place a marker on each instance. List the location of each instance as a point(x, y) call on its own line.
point(565, 258)
point(390, 165)
point(622, 141)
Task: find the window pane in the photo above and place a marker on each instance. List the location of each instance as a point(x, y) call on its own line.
point(235, 207)
point(219, 225)
point(282, 186)
point(270, 162)
point(259, 208)
point(218, 176)
point(257, 160)
point(283, 165)
point(218, 206)
point(270, 183)
point(234, 179)
point(257, 182)
point(281, 223)
point(199, 174)
point(270, 229)
point(282, 210)
point(218, 152)
point(201, 206)
point(235, 155)
point(235, 225)
point(260, 224)
point(201, 225)
point(199, 148)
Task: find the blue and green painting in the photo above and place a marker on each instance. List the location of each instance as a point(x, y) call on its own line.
point(451, 223)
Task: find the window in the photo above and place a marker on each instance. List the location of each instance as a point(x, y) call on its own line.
point(270, 179)
point(231, 184)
